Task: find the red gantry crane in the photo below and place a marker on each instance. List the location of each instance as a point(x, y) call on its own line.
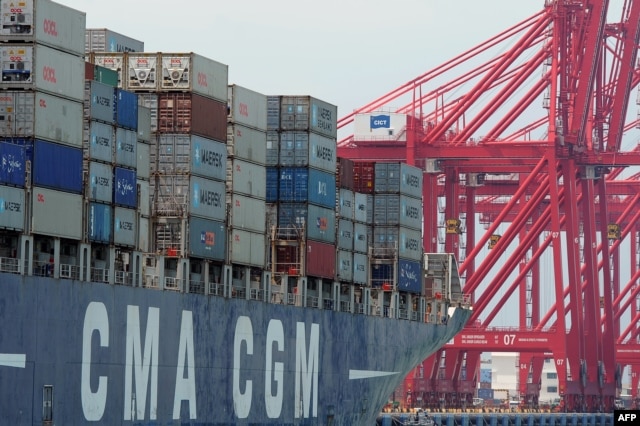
point(523, 135)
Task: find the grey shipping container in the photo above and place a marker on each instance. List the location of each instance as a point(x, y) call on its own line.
point(183, 153)
point(144, 123)
point(273, 112)
point(12, 208)
point(37, 67)
point(105, 40)
point(207, 238)
point(408, 241)
point(247, 248)
point(99, 101)
point(344, 235)
point(192, 72)
point(360, 207)
point(207, 198)
point(44, 22)
point(360, 268)
point(360, 237)
point(344, 265)
point(125, 230)
point(247, 178)
point(126, 145)
point(56, 213)
point(345, 204)
point(247, 107)
point(143, 166)
point(319, 222)
point(273, 148)
point(393, 209)
point(26, 114)
point(399, 178)
point(150, 102)
point(308, 113)
point(100, 182)
point(143, 234)
point(248, 213)
point(247, 144)
point(100, 139)
point(302, 149)
point(144, 204)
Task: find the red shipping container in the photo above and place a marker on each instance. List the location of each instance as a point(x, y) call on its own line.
point(194, 114)
point(344, 175)
point(364, 177)
point(321, 260)
point(287, 260)
point(89, 71)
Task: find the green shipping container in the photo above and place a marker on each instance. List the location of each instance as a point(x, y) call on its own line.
point(105, 76)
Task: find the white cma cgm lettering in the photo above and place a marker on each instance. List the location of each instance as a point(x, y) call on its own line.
point(94, 403)
point(306, 370)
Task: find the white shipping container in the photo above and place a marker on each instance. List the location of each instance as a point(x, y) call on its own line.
point(56, 213)
point(380, 126)
point(100, 182)
point(44, 22)
point(100, 138)
point(360, 207)
point(360, 268)
point(247, 107)
point(247, 248)
point(195, 73)
point(25, 114)
point(12, 208)
point(247, 178)
point(142, 72)
point(124, 226)
point(37, 67)
point(143, 234)
point(144, 203)
point(112, 61)
point(105, 40)
point(143, 166)
point(248, 213)
point(247, 144)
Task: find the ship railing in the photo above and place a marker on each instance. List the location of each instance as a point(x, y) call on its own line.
point(196, 287)
point(345, 306)
point(359, 308)
point(174, 284)
point(277, 297)
point(403, 314)
point(257, 294)
point(328, 304)
point(216, 289)
point(415, 316)
point(9, 264)
point(99, 275)
point(238, 292)
point(151, 281)
point(123, 278)
point(71, 272)
point(293, 299)
point(313, 302)
point(42, 268)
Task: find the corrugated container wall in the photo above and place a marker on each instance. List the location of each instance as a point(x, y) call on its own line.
point(143, 235)
point(144, 203)
point(195, 73)
point(272, 184)
point(101, 141)
point(360, 207)
point(247, 178)
point(247, 213)
point(321, 260)
point(100, 182)
point(409, 276)
point(320, 222)
point(398, 178)
point(144, 123)
point(126, 109)
point(56, 213)
point(360, 268)
point(42, 116)
point(247, 107)
point(360, 240)
point(99, 101)
point(57, 166)
point(273, 148)
point(105, 76)
point(105, 40)
point(344, 173)
point(126, 145)
point(143, 167)
point(207, 238)
point(183, 153)
point(345, 235)
point(44, 22)
point(345, 203)
point(344, 265)
point(192, 113)
point(393, 209)
point(299, 184)
point(302, 149)
point(364, 177)
point(13, 165)
point(307, 113)
point(207, 198)
point(247, 248)
point(99, 223)
point(408, 241)
point(37, 67)
point(273, 112)
point(12, 208)
point(247, 144)
point(125, 190)
point(150, 101)
point(125, 231)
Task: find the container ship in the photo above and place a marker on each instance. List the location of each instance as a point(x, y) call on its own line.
point(178, 250)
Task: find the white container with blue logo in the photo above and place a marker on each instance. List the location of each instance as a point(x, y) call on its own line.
point(408, 241)
point(360, 268)
point(184, 153)
point(345, 204)
point(305, 113)
point(99, 102)
point(12, 208)
point(398, 178)
point(345, 237)
point(360, 207)
point(394, 209)
point(125, 230)
point(100, 182)
point(101, 141)
point(360, 237)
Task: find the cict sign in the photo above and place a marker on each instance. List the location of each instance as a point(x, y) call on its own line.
point(380, 122)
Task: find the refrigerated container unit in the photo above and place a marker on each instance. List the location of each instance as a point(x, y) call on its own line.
point(306, 149)
point(247, 108)
point(13, 164)
point(398, 178)
point(364, 176)
point(247, 248)
point(396, 209)
point(56, 213)
point(273, 148)
point(320, 259)
point(125, 189)
point(144, 123)
point(301, 184)
point(100, 185)
point(99, 223)
point(185, 153)
point(246, 178)
point(44, 22)
point(192, 113)
point(246, 213)
point(111, 61)
point(106, 40)
point(37, 67)
point(12, 205)
point(190, 72)
point(100, 74)
point(99, 141)
point(184, 195)
point(345, 203)
point(57, 166)
point(126, 148)
point(125, 230)
point(99, 102)
point(126, 110)
point(141, 71)
point(319, 223)
point(39, 115)
point(305, 113)
point(245, 143)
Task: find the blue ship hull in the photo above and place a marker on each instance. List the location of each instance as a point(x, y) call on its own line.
point(88, 353)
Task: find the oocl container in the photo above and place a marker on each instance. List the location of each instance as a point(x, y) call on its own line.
point(57, 166)
point(125, 190)
point(141, 72)
point(99, 222)
point(126, 145)
point(247, 248)
point(105, 40)
point(192, 113)
point(56, 213)
point(247, 178)
point(44, 22)
point(13, 165)
point(308, 113)
point(247, 144)
point(409, 276)
point(124, 227)
point(344, 265)
point(37, 67)
point(100, 182)
point(26, 114)
point(247, 213)
point(207, 198)
point(12, 208)
point(299, 184)
point(184, 153)
point(360, 268)
point(126, 109)
point(194, 73)
point(319, 222)
point(98, 101)
point(101, 140)
point(247, 107)
point(207, 238)
point(320, 260)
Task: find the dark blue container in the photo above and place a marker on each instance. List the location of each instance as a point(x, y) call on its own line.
point(126, 109)
point(125, 190)
point(99, 222)
point(272, 185)
point(381, 274)
point(13, 160)
point(57, 167)
point(301, 185)
point(409, 276)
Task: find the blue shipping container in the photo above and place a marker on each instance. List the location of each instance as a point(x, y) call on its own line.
point(303, 185)
point(409, 276)
point(126, 109)
point(99, 223)
point(57, 167)
point(272, 185)
point(12, 164)
point(381, 274)
point(125, 190)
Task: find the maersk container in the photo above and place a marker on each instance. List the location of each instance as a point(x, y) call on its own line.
point(143, 235)
point(307, 113)
point(126, 145)
point(345, 203)
point(247, 178)
point(207, 198)
point(247, 107)
point(144, 204)
point(37, 67)
point(101, 140)
point(360, 207)
point(273, 148)
point(125, 230)
point(193, 73)
point(98, 101)
point(207, 238)
point(344, 266)
point(192, 113)
point(43, 22)
point(13, 165)
point(143, 166)
point(247, 213)
point(56, 213)
point(360, 237)
point(302, 149)
point(319, 222)
point(408, 241)
point(272, 184)
point(112, 61)
point(100, 182)
point(246, 144)
point(393, 209)
point(321, 260)
point(299, 184)
point(26, 114)
point(105, 40)
point(99, 223)
point(247, 248)
point(398, 178)
point(126, 109)
point(184, 153)
point(409, 276)
point(57, 166)
point(345, 234)
point(144, 123)
point(125, 190)
point(12, 208)
point(360, 268)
